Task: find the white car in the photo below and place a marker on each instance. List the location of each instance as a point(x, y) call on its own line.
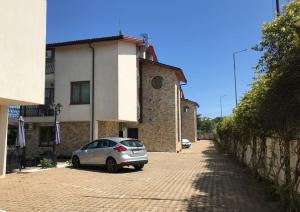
point(112, 152)
point(185, 143)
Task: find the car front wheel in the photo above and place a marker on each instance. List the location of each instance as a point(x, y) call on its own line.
point(75, 161)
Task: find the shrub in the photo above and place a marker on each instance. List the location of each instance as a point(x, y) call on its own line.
point(47, 163)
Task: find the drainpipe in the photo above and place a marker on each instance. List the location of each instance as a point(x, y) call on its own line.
point(141, 90)
point(93, 92)
point(181, 114)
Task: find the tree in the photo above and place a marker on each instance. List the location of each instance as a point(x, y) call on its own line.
point(271, 107)
point(205, 124)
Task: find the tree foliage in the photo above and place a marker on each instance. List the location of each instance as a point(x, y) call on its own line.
point(206, 124)
point(272, 106)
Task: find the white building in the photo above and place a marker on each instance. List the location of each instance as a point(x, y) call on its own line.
point(110, 86)
point(22, 64)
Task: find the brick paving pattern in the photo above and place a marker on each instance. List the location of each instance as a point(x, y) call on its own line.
point(198, 179)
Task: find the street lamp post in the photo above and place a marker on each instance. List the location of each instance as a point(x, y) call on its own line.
point(57, 110)
point(277, 8)
point(234, 73)
point(221, 106)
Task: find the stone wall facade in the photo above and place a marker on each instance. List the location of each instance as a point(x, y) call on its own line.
point(108, 129)
point(73, 136)
point(160, 128)
point(189, 120)
point(160, 122)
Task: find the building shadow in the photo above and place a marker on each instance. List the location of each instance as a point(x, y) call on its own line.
point(102, 169)
point(225, 186)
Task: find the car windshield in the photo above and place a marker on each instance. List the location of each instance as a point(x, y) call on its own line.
point(132, 143)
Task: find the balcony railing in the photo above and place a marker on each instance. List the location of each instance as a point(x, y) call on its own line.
point(13, 112)
point(50, 67)
point(36, 111)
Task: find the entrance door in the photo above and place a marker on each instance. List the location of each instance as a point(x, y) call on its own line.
point(133, 133)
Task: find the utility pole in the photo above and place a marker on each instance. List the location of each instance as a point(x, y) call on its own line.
point(234, 73)
point(277, 8)
point(221, 106)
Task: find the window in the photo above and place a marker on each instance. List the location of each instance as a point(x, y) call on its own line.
point(80, 92)
point(186, 109)
point(49, 55)
point(157, 82)
point(104, 143)
point(92, 145)
point(49, 96)
point(112, 143)
point(47, 136)
point(132, 143)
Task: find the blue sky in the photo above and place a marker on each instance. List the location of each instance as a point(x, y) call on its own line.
point(198, 36)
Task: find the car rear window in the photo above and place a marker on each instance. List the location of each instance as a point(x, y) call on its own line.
point(132, 143)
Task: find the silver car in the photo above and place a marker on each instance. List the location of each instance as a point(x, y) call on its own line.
point(185, 143)
point(112, 152)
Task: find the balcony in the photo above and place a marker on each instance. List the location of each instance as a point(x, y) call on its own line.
point(50, 67)
point(13, 112)
point(36, 111)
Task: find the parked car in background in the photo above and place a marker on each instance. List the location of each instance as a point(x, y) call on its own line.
point(114, 153)
point(185, 143)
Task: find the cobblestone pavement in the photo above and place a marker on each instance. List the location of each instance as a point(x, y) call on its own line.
point(198, 179)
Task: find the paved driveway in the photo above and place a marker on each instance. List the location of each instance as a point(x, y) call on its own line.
point(199, 179)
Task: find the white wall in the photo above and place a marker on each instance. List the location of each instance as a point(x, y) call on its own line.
point(127, 77)
point(115, 80)
point(106, 81)
point(72, 63)
point(3, 138)
point(22, 45)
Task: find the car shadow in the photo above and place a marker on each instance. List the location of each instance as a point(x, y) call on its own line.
point(224, 186)
point(102, 169)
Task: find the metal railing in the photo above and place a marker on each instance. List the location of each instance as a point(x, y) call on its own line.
point(13, 112)
point(36, 111)
point(50, 67)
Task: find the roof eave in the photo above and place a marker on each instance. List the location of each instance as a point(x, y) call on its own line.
point(178, 71)
point(96, 40)
point(193, 102)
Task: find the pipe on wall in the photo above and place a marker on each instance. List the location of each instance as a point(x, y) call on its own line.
point(93, 92)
